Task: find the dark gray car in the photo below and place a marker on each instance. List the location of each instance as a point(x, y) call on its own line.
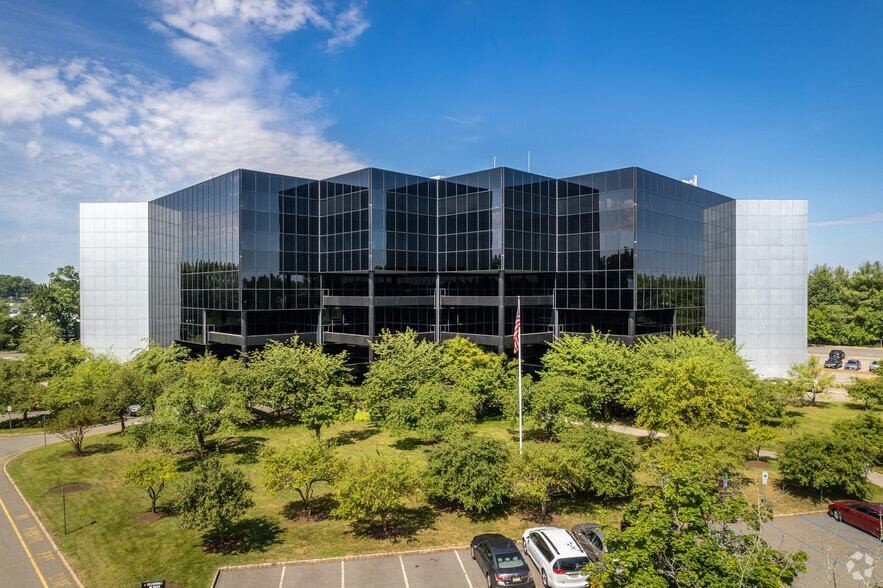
point(591, 539)
point(500, 561)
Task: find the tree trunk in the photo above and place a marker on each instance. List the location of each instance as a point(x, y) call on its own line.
point(123, 424)
point(200, 441)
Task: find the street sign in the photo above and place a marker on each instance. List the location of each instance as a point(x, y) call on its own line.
point(159, 584)
point(726, 480)
point(765, 476)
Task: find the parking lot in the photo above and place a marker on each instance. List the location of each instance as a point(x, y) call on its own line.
point(439, 569)
point(839, 555)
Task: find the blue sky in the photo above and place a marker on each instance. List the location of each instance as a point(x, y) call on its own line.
point(121, 101)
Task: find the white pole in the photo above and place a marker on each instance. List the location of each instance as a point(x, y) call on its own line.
point(520, 434)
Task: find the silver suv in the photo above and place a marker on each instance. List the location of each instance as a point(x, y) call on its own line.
point(557, 555)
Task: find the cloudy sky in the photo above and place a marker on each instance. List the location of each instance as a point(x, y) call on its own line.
point(126, 100)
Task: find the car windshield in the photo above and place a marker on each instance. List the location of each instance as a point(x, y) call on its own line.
point(507, 561)
point(571, 564)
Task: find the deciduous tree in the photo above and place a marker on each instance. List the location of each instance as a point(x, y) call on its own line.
point(542, 471)
point(810, 377)
point(207, 400)
point(825, 460)
point(72, 423)
point(605, 462)
point(301, 468)
point(375, 488)
point(471, 471)
point(151, 475)
point(213, 498)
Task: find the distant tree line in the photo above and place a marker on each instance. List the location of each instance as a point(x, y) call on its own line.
point(56, 302)
point(845, 308)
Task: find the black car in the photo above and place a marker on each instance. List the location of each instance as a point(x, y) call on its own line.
point(833, 363)
point(591, 538)
point(837, 353)
point(500, 561)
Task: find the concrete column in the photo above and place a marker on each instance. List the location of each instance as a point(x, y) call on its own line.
point(244, 329)
point(501, 312)
point(437, 308)
point(372, 324)
point(319, 332)
point(631, 327)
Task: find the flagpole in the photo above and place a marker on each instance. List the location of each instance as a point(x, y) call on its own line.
point(518, 343)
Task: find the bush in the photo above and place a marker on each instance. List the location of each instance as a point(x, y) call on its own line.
point(823, 460)
point(375, 488)
point(471, 472)
point(868, 428)
point(214, 498)
point(606, 461)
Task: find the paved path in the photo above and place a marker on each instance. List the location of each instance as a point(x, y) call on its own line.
point(28, 556)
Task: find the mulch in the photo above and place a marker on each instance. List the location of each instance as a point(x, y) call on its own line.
point(70, 488)
point(149, 517)
point(217, 546)
point(73, 455)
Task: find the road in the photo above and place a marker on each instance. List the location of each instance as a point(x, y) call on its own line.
point(28, 557)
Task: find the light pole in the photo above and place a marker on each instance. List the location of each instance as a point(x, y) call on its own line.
point(9, 416)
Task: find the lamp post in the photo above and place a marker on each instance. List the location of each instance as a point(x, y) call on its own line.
point(9, 416)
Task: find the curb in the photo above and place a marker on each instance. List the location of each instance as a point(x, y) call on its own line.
point(39, 522)
point(797, 514)
point(13, 435)
point(274, 564)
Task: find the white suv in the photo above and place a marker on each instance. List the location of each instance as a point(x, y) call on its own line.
point(557, 555)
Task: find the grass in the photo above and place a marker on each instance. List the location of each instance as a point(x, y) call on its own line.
point(819, 418)
point(108, 547)
point(32, 424)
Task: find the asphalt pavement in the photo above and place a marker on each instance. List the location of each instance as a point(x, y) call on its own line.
point(29, 558)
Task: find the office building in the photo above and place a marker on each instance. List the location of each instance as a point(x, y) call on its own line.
point(249, 256)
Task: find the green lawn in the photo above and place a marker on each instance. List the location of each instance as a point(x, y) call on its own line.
point(819, 418)
point(108, 547)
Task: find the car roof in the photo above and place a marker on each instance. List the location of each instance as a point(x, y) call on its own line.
point(586, 527)
point(562, 540)
point(874, 505)
point(495, 541)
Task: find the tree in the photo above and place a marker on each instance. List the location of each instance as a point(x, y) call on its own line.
point(59, 300)
point(124, 388)
point(605, 462)
point(12, 328)
point(375, 488)
point(207, 400)
point(868, 389)
point(598, 369)
point(470, 471)
point(810, 377)
point(868, 428)
point(402, 363)
point(46, 355)
point(214, 498)
point(304, 379)
point(151, 475)
point(437, 411)
point(552, 404)
point(693, 392)
point(488, 378)
point(157, 369)
point(82, 384)
point(823, 460)
point(676, 529)
point(72, 423)
point(541, 472)
point(822, 287)
point(759, 435)
point(15, 286)
point(300, 468)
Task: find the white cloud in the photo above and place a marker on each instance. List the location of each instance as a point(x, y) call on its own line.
point(859, 219)
point(347, 27)
point(33, 149)
point(119, 132)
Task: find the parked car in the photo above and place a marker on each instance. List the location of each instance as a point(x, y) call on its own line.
point(873, 365)
point(837, 353)
point(833, 363)
point(864, 515)
point(500, 561)
point(557, 555)
point(591, 538)
point(133, 409)
point(853, 364)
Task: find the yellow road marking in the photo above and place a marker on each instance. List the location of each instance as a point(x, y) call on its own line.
point(14, 528)
point(23, 544)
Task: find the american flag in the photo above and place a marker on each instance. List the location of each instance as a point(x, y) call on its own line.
point(517, 336)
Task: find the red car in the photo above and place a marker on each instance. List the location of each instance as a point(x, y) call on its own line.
point(864, 515)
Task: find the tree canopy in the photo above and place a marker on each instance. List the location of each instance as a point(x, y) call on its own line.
point(845, 308)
